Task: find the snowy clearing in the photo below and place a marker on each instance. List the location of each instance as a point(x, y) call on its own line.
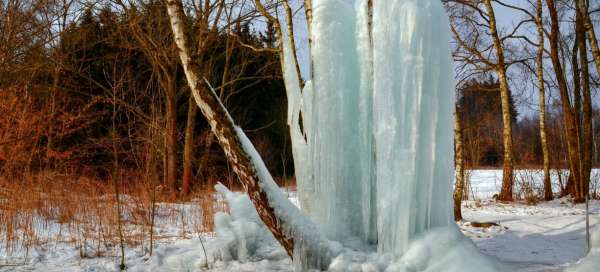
point(549, 236)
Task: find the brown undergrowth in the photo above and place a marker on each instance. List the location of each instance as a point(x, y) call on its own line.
point(47, 208)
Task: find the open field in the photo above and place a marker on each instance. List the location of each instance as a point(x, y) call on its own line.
point(70, 231)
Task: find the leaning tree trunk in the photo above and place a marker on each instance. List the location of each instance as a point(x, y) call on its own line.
point(459, 166)
point(542, 99)
point(507, 137)
point(288, 225)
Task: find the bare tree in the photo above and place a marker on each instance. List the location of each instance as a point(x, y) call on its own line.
point(569, 113)
point(586, 107)
point(542, 100)
point(153, 39)
point(476, 20)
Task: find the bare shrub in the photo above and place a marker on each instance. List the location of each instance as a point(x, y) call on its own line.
point(527, 187)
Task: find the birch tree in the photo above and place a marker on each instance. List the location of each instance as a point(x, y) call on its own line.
point(459, 163)
point(478, 53)
point(542, 99)
point(288, 225)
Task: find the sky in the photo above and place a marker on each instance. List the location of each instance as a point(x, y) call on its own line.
point(525, 94)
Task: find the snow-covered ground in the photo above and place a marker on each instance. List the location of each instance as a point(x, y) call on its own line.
point(549, 236)
point(546, 237)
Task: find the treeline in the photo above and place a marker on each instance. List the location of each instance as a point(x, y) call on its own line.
point(102, 88)
point(91, 88)
point(482, 125)
point(548, 50)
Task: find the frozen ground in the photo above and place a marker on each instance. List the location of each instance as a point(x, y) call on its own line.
point(549, 236)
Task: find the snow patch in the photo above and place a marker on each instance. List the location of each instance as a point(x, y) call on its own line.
point(591, 263)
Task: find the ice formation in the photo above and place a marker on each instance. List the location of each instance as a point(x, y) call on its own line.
point(372, 143)
point(375, 150)
point(439, 249)
point(241, 235)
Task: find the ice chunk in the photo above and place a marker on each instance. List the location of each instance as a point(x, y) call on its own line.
point(241, 235)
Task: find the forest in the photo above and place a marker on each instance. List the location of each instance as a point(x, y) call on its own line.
point(120, 132)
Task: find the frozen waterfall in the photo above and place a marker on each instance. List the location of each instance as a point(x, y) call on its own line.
point(373, 154)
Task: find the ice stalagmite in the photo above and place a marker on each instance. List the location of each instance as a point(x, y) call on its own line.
point(338, 154)
point(373, 154)
point(412, 116)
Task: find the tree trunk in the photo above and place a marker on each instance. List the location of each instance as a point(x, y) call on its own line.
point(273, 208)
point(188, 148)
point(208, 141)
point(586, 124)
point(574, 186)
point(459, 166)
point(589, 28)
point(507, 137)
point(568, 115)
point(171, 138)
point(290, 33)
point(542, 100)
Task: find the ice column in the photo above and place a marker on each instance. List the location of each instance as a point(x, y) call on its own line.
point(412, 111)
point(374, 155)
point(336, 148)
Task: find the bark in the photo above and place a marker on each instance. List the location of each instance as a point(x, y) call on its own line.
point(171, 138)
point(568, 114)
point(586, 124)
point(188, 148)
point(459, 166)
point(542, 100)
point(208, 141)
point(309, 18)
point(290, 33)
point(591, 35)
point(507, 135)
point(308, 13)
point(574, 185)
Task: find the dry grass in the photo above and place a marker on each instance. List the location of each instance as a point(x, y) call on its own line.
point(47, 208)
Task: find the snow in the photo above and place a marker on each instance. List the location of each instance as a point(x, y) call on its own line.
point(591, 262)
point(440, 249)
point(489, 181)
point(549, 236)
